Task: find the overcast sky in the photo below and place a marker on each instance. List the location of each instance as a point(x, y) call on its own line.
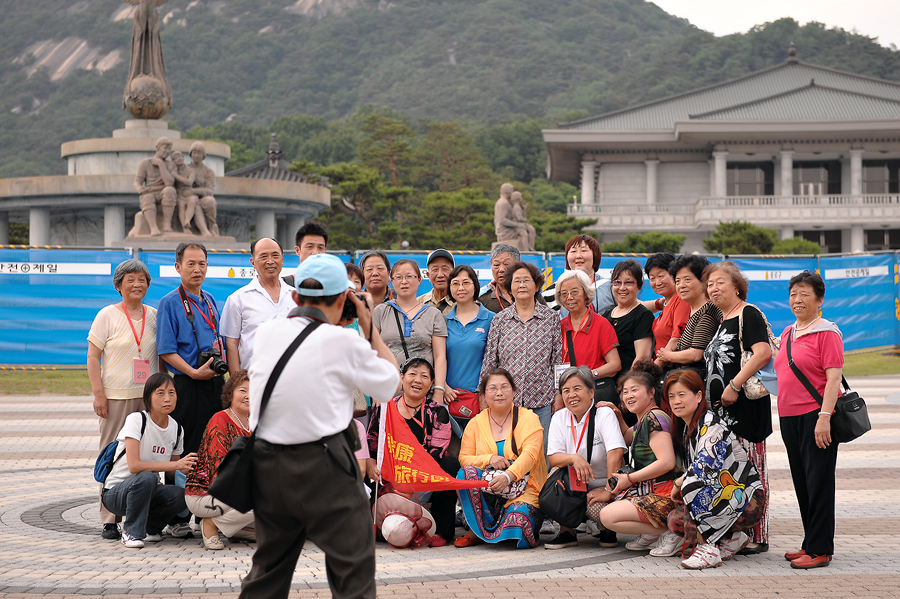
point(874, 18)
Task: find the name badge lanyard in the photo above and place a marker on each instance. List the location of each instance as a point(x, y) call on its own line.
point(583, 430)
point(189, 314)
point(131, 324)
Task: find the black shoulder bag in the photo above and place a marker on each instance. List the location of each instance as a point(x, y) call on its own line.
point(850, 419)
point(232, 484)
point(605, 388)
point(402, 336)
point(557, 499)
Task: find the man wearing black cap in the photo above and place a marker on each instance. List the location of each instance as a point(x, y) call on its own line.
point(440, 263)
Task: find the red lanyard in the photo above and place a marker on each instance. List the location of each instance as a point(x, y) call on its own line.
point(131, 324)
point(499, 299)
point(581, 438)
point(581, 324)
point(208, 307)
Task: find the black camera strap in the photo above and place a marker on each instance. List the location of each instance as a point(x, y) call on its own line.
point(189, 314)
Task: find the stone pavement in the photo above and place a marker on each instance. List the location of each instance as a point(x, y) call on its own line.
point(50, 542)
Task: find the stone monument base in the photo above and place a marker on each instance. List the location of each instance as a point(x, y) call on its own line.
point(169, 241)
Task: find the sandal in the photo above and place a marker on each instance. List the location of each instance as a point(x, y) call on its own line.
point(212, 542)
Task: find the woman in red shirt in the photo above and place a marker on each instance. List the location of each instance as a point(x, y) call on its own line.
point(594, 340)
point(223, 428)
point(668, 326)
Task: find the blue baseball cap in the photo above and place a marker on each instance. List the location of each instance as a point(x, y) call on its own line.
point(327, 270)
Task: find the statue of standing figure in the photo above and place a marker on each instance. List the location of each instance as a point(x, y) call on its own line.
point(510, 222)
point(147, 91)
point(164, 185)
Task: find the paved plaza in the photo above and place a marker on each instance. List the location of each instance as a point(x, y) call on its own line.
point(50, 542)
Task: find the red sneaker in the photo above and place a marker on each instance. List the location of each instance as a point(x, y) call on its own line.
point(792, 555)
point(808, 561)
point(437, 541)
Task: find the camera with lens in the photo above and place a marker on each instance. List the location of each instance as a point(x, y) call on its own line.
point(218, 365)
point(613, 481)
point(349, 312)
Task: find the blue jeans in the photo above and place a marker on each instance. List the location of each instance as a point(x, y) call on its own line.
point(544, 415)
point(147, 504)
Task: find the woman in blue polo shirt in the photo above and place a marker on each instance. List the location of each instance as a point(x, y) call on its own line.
point(468, 325)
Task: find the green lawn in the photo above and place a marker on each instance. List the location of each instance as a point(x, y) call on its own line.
point(75, 382)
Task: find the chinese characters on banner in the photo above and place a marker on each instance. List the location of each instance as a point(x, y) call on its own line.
point(407, 465)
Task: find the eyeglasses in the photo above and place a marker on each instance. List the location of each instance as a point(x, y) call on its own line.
point(505, 387)
point(379, 268)
point(401, 278)
point(520, 282)
point(573, 293)
point(629, 283)
point(466, 283)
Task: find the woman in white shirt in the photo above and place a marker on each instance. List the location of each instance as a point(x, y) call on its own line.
point(150, 442)
point(567, 447)
point(121, 357)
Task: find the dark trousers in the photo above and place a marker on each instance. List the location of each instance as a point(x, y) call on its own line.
point(146, 504)
point(813, 472)
point(443, 503)
point(310, 491)
point(197, 402)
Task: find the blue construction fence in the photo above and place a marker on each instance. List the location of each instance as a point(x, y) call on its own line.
point(48, 298)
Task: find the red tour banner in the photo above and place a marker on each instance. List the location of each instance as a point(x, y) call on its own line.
point(407, 465)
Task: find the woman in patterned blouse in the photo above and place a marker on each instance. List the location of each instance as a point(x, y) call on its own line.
point(526, 340)
point(223, 428)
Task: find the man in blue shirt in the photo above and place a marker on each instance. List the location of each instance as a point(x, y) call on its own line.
point(180, 342)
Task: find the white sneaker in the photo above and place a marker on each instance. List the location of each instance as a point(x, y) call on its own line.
point(728, 547)
point(131, 542)
point(180, 530)
point(669, 544)
point(153, 538)
point(642, 543)
point(704, 556)
point(548, 527)
point(581, 529)
point(592, 528)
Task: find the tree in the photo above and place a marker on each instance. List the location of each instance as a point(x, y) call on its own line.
point(514, 149)
point(448, 159)
point(550, 196)
point(461, 219)
point(741, 237)
point(647, 243)
point(797, 245)
point(387, 148)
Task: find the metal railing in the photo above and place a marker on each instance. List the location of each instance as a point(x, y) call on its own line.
point(641, 207)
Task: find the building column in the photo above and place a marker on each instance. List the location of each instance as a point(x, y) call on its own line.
point(787, 173)
point(282, 228)
point(113, 224)
point(4, 228)
point(651, 180)
point(787, 232)
point(39, 226)
point(857, 239)
point(588, 189)
point(856, 172)
point(721, 175)
point(294, 222)
point(265, 224)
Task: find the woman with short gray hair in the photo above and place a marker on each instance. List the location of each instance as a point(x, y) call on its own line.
point(121, 357)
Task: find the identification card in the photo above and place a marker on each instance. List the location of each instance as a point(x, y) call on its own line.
point(217, 344)
point(557, 373)
point(573, 481)
point(141, 371)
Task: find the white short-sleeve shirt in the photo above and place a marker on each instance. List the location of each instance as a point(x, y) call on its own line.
point(607, 436)
point(157, 445)
point(249, 307)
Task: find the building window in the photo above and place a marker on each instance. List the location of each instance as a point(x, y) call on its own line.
point(881, 176)
point(829, 240)
point(750, 179)
point(882, 239)
point(817, 178)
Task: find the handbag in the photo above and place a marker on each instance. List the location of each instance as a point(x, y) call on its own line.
point(557, 499)
point(764, 381)
point(233, 484)
point(465, 406)
point(515, 488)
point(850, 419)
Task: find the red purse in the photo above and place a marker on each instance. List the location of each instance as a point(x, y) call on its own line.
point(466, 404)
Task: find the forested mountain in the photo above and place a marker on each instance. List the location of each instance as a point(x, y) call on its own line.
point(63, 62)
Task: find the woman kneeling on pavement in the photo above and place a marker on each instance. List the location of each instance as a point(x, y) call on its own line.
point(152, 442)
point(643, 499)
point(567, 447)
point(721, 489)
point(429, 421)
point(509, 440)
point(223, 428)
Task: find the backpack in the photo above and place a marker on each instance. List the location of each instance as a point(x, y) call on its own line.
point(108, 458)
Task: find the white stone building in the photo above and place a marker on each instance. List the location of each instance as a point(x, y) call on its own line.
point(808, 150)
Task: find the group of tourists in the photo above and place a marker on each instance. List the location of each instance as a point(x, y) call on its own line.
point(647, 414)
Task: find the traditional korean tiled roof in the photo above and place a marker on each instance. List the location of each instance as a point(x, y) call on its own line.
point(783, 92)
point(274, 167)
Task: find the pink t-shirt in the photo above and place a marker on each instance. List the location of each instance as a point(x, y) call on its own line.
point(363, 453)
point(812, 353)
